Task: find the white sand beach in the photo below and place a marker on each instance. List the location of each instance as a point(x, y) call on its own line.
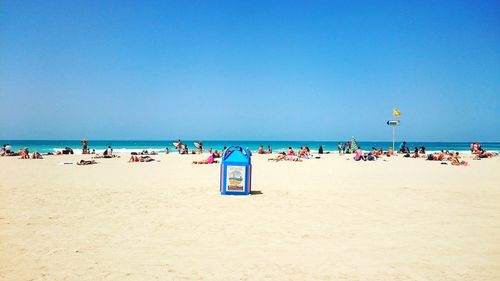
point(321, 219)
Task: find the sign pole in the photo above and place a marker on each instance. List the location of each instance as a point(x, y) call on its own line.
point(393, 138)
point(393, 124)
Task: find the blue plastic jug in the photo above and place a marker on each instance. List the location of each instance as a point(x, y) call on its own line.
point(236, 171)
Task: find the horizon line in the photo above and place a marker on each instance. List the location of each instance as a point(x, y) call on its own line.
point(243, 140)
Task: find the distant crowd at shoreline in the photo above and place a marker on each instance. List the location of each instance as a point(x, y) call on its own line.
point(347, 148)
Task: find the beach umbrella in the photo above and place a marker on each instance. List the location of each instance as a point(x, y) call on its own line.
point(354, 144)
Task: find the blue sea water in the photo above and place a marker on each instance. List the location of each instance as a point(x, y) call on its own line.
point(126, 146)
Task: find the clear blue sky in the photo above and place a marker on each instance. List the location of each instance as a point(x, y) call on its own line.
point(296, 70)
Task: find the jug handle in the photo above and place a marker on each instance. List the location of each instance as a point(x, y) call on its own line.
point(236, 147)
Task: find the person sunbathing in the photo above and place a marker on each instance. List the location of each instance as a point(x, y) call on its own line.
point(5, 152)
point(146, 159)
point(86, 162)
point(455, 160)
point(415, 153)
point(36, 155)
point(25, 154)
point(292, 158)
point(371, 156)
point(260, 150)
point(484, 154)
point(216, 154)
point(209, 160)
point(107, 156)
point(359, 155)
point(135, 158)
point(291, 152)
point(439, 156)
point(303, 153)
point(278, 157)
point(476, 148)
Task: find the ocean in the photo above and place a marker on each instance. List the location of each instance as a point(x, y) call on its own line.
point(127, 146)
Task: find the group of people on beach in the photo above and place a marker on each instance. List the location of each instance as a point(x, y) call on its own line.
point(211, 156)
point(262, 151)
point(6, 150)
point(182, 148)
point(346, 148)
point(349, 147)
point(141, 158)
point(479, 152)
point(444, 155)
point(209, 160)
point(290, 155)
point(405, 150)
point(24, 152)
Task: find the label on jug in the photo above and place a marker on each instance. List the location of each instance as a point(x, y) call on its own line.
point(235, 178)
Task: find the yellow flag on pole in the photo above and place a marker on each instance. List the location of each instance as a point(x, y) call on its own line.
point(396, 112)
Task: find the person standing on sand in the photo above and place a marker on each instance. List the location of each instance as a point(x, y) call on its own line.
point(179, 146)
point(340, 148)
point(85, 149)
